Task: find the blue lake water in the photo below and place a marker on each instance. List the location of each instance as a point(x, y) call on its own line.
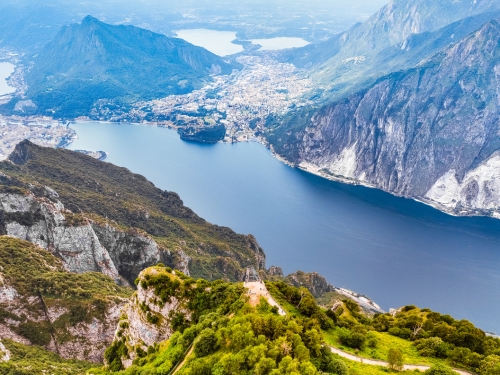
point(394, 250)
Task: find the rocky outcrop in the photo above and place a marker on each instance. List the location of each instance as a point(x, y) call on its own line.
point(82, 243)
point(73, 315)
point(124, 212)
point(147, 317)
point(429, 133)
point(316, 283)
point(85, 340)
point(275, 271)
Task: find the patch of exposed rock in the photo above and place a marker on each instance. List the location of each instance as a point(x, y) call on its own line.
point(4, 353)
point(429, 133)
point(316, 283)
point(146, 319)
point(83, 244)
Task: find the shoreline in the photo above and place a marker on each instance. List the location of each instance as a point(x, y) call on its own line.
point(344, 180)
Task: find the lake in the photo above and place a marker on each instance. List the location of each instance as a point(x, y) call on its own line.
point(394, 250)
point(220, 42)
point(6, 69)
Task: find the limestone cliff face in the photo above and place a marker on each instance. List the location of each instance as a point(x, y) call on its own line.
point(147, 319)
point(86, 340)
point(430, 133)
point(74, 315)
point(83, 244)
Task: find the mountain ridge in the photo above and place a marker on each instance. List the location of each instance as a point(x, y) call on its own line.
point(410, 129)
point(94, 61)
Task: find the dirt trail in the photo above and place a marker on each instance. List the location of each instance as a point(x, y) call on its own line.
point(375, 362)
point(257, 289)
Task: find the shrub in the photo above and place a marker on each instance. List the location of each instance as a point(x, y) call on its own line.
point(440, 370)
point(432, 347)
point(352, 339)
point(206, 344)
point(337, 367)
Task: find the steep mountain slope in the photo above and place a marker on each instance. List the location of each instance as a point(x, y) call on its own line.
point(43, 304)
point(388, 41)
point(430, 132)
point(94, 60)
point(117, 220)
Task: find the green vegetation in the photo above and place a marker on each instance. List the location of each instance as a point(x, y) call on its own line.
point(34, 272)
point(32, 360)
point(101, 190)
point(228, 336)
point(205, 134)
point(395, 359)
point(420, 335)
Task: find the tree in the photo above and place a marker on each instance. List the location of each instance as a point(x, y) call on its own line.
point(395, 359)
point(337, 367)
point(440, 370)
point(490, 365)
point(206, 344)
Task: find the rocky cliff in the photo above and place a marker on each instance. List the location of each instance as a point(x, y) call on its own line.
point(100, 217)
point(81, 243)
point(430, 132)
point(42, 304)
point(313, 281)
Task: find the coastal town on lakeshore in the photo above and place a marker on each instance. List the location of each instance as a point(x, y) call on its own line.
point(241, 101)
point(43, 131)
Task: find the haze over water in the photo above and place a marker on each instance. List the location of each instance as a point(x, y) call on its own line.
point(394, 250)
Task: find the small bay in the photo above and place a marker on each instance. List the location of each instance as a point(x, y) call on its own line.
point(394, 250)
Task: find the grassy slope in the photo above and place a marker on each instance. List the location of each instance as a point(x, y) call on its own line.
point(385, 341)
point(33, 360)
point(39, 277)
point(94, 187)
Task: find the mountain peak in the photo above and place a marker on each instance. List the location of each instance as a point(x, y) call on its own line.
point(22, 153)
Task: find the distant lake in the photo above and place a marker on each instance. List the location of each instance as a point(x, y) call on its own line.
point(395, 250)
point(6, 69)
point(220, 42)
point(280, 43)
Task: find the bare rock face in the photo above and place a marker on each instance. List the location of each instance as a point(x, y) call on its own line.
point(146, 318)
point(73, 315)
point(82, 243)
point(316, 283)
point(275, 271)
point(88, 339)
point(429, 133)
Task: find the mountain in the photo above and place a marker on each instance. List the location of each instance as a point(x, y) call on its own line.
point(400, 35)
point(41, 303)
point(430, 132)
point(91, 61)
point(96, 216)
